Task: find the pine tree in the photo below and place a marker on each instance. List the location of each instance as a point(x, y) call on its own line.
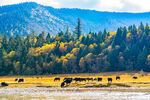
point(11, 44)
point(117, 40)
point(33, 36)
point(147, 30)
point(134, 34)
point(0, 40)
point(141, 27)
point(40, 40)
point(78, 29)
point(104, 35)
point(141, 59)
point(27, 42)
point(124, 34)
point(48, 38)
point(99, 37)
point(67, 34)
point(5, 41)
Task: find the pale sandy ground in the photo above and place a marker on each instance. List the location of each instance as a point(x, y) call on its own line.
point(42, 93)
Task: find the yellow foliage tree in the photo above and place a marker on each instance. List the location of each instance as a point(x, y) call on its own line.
point(63, 47)
point(75, 51)
point(17, 67)
point(88, 57)
point(42, 50)
point(70, 44)
point(91, 46)
point(65, 62)
point(90, 35)
point(102, 44)
point(128, 35)
point(80, 38)
point(77, 43)
point(82, 64)
point(11, 54)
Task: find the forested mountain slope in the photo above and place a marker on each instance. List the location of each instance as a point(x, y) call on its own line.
point(24, 18)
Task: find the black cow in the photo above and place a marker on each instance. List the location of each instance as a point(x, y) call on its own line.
point(16, 79)
point(20, 80)
point(68, 80)
point(57, 79)
point(4, 84)
point(64, 79)
point(109, 80)
point(77, 79)
point(95, 79)
point(89, 79)
point(135, 77)
point(82, 79)
point(62, 84)
point(117, 78)
point(100, 79)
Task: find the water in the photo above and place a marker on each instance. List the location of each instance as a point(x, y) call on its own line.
point(71, 94)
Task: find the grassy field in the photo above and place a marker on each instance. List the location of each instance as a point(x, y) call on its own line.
point(126, 80)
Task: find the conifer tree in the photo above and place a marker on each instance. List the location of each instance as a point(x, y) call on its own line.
point(48, 38)
point(78, 29)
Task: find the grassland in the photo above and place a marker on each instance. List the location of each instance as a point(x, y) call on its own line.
point(126, 80)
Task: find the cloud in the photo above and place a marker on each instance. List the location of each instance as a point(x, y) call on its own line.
point(143, 5)
point(124, 5)
point(100, 5)
point(84, 4)
point(108, 5)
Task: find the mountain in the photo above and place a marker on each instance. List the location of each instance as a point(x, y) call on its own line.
point(24, 18)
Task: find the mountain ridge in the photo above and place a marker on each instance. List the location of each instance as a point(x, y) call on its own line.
point(26, 17)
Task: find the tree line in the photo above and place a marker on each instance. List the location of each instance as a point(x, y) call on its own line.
point(127, 49)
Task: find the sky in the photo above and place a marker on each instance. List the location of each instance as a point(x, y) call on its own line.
point(99, 5)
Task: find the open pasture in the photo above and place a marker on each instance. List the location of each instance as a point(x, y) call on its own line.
point(126, 79)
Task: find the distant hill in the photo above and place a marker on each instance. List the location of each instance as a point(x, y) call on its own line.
point(24, 18)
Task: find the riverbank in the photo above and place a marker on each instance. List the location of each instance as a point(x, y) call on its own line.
point(43, 93)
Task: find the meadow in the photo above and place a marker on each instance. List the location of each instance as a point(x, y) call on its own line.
point(126, 80)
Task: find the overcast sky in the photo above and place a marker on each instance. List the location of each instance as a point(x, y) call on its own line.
point(99, 5)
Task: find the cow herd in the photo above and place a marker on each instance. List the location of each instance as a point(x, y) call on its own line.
point(19, 80)
point(67, 81)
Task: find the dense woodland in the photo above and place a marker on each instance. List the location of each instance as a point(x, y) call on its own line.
point(127, 49)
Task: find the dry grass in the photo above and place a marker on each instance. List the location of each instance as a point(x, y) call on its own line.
point(125, 81)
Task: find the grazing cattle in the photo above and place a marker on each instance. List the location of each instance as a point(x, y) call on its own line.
point(76, 79)
point(21, 80)
point(100, 79)
point(109, 80)
point(16, 79)
point(57, 79)
point(82, 79)
point(68, 80)
point(95, 79)
point(4, 84)
point(62, 84)
point(64, 79)
point(117, 78)
point(79, 79)
point(135, 77)
point(89, 79)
